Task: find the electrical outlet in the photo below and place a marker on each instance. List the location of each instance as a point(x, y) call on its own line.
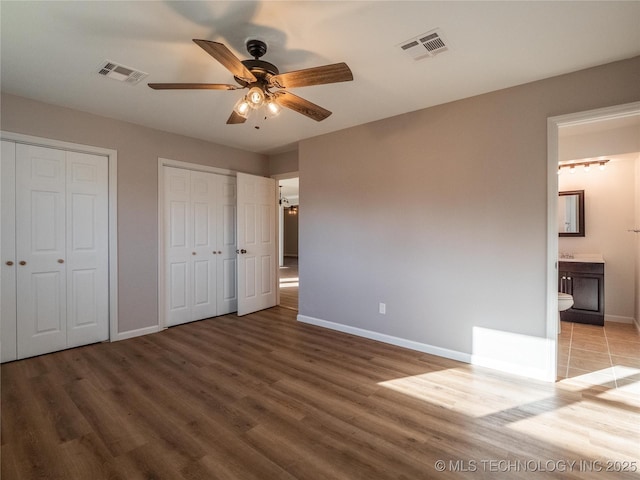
point(382, 308)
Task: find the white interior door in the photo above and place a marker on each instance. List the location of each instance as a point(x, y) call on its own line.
point(61, 227)
point(177, 193)
point(40, 251)
point(55, 250)
point(191, 230)
point(8, 334)
point(203, 252)
point(87, 249)
point(227, 292)
point(257, 246)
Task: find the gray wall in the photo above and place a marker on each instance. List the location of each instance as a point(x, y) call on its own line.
point(602, 143)
point(138, 151)
point(441, 213)
point(286, 162)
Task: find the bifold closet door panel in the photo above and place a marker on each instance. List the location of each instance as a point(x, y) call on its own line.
point(40, 250)
point(204, 224)
point(8, 335)
point(87, 249)
point(55, 291)
point(177, 230)
point(199, 245)
point(227, 291)
point(190, 245)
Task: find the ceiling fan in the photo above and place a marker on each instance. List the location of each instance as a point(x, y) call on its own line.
point(260, 77)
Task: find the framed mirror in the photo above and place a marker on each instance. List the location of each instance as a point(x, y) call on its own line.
point(571, 213)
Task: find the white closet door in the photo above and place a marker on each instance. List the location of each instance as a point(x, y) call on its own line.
point(8, 335)
point(256, 243)
point(204, 225)
point(227, 292)
point(87, 249)
point(178, 266)
point(40, 251)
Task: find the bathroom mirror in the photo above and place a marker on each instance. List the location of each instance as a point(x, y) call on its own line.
point(571, 213)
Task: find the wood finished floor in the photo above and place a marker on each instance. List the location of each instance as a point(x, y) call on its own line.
point(289, 281)
point(265, 397)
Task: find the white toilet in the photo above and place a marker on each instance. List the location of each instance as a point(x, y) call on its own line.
point(565, 302)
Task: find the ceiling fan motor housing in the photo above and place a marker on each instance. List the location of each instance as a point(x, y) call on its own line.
point(262, 70)
point(256, 48)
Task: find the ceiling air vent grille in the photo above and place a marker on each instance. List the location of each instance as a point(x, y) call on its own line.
point(427, 45)
point(121, 73)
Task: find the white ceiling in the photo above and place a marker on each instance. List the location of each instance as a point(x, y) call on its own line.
point(50, 51)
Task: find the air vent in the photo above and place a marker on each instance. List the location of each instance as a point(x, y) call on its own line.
point(427, 45)
point(121, 73)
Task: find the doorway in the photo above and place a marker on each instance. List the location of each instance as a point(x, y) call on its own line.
point(289, 201)
point(592, 355)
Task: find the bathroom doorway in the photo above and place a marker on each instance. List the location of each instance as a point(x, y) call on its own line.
point(595, 356)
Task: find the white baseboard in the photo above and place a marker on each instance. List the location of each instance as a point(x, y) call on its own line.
point(136, 333)
point(542, 350)
point(528, 371)
point(618, 319)
point(382, 337)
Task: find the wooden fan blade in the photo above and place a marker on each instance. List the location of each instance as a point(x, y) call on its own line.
point(192, 86)
point(235, 118)
point(300, 105)
point(337, 72)
point(223, 55)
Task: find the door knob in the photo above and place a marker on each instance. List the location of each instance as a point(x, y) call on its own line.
point(22, 262)
point(219, 252)
point(9, 263)
point(60, 260)
point(214, 252)
point(243, 251)
point(193, 253)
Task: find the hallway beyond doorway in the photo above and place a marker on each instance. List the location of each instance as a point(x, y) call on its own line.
point(289, 283)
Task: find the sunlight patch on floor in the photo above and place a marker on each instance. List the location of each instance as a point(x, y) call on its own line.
point(289, 282)
point(472, 397)
point(581, 420)
point(576, 425)
point(622, 377)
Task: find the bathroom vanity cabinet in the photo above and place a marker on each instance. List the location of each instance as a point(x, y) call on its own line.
point(585, 282)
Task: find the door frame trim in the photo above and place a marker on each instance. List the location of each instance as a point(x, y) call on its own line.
point(112, 160)
point(167, 162)
point(553, 143)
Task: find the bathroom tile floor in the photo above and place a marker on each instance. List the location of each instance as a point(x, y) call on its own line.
point(608, 356)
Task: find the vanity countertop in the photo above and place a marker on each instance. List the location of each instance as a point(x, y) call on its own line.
point(584, 258)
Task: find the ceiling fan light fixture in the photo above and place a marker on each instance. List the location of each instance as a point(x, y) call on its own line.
point(273, 109)
point(242, 107)
point(255, 97)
